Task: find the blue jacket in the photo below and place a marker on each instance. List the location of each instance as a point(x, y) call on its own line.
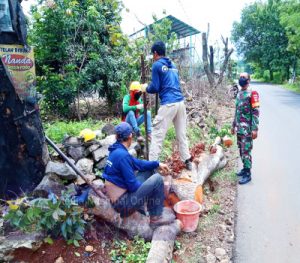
point(165, 81)
point(120, 167)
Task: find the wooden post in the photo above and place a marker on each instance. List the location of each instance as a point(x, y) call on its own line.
point(143, 78)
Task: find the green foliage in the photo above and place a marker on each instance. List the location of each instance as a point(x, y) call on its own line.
point(78, 50)
point(224, 130)
point(215, 209)
point(293, 87)
point(134, 252)
point(55, 216)
point(177, 245)
point(289, 18)
point(266, 46)
point(169, 140)
point(195, 134)
point(57, 130)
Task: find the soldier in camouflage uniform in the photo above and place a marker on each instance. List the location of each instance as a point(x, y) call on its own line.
point(245, 124)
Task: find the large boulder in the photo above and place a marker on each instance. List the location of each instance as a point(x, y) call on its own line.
point(76, 152)
point(91, 149)
point(88, 177)
point(10, 243)
point(109, 140)
point(85, 165)
point(50, 183)
point(63, 170)
point(72, 141)
point(108, 129)
point(100, 153)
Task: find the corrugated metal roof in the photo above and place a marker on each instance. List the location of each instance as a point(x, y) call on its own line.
point(180, 28)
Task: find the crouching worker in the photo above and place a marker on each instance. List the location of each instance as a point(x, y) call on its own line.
point(129, 192)
point(133, 109)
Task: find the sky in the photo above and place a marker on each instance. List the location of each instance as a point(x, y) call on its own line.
point(220, 14)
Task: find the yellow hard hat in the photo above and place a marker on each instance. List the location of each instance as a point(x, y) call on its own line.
point(87, 135)
point(135, 85)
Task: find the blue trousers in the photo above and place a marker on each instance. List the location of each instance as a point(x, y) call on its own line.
point(136, 122)
point(150, 192)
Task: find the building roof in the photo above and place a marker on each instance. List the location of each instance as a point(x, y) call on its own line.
point(180, 28)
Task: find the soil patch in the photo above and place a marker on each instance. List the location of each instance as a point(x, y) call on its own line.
point(100, 237)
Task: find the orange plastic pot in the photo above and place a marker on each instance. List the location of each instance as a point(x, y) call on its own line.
point(188, 211)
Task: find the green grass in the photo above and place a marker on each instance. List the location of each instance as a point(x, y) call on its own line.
point(167, 148)
point(194, 134)
point(293, 87)
point(57, 130)
point(224, 175)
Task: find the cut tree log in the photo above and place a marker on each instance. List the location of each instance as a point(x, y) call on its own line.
point(190, 187)
point(208, 164)
point(162, 244)
point(135, 224)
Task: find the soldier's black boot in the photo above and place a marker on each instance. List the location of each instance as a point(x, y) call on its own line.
point(241, 172)
point(246, 177)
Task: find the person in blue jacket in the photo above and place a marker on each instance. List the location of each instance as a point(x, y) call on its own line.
point(165, 82)
point(127, 191)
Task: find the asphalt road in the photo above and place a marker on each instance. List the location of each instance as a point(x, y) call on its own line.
point(268, 217)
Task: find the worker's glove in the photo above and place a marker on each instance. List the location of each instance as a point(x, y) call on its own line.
point(144, 87)
point(140, 106)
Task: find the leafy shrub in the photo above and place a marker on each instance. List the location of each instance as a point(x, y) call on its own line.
point(215, 132)
point(134, 252)
point(56, 216)
point(293, 87)
point(79, 49)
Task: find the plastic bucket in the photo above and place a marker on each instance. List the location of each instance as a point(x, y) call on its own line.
point(188, 211)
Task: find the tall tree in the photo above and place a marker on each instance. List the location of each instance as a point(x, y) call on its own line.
point(290, 19)
point(79, 48)
point(261, 38)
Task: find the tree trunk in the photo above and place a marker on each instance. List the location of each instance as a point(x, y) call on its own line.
point(78, 104)
point(23, 152)
point(210, 77)
point(294, 70)
point(287, 72)
point(163, 243)
point(211, 60)
point(271, 75)
point(227, 54)
point(135, 224)
point(206, 165)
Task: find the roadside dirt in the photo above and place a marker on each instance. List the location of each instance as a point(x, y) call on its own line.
point(214, 238)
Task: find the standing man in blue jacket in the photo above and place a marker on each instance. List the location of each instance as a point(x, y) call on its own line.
point(165, 82)
point(127, 191)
